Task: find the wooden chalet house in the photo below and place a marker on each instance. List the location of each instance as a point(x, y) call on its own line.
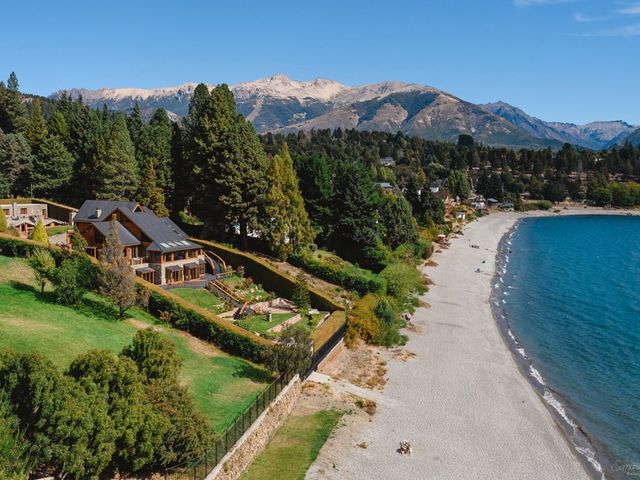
point(157, 249)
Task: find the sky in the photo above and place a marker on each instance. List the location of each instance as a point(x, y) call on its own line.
point(561, 60)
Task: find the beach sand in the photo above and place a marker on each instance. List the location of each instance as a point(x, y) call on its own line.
point(461, 402)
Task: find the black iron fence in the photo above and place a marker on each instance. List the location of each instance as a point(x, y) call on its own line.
point(199, 469)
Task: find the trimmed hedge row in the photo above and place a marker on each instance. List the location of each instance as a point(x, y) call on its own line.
point(200, 323)
point(11, 246)
point(350, 281)
point(325, 331)
point(268, 276)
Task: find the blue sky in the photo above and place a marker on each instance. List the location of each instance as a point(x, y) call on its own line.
point(565, 60)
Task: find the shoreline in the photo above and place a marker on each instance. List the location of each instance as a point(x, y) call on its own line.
point(580, 442)
point(462, 400)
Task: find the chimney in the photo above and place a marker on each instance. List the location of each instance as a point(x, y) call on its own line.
point(98, 212)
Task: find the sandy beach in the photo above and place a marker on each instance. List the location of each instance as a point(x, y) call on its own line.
point(461, 401)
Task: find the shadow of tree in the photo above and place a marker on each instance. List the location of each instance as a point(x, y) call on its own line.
point(246, 370)
point(87, 306)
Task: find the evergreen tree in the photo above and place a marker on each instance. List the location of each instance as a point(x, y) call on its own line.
point(39, 233)
point(57, 126)
point(316, 185)
point(149, 194)
point(300, 295)
point(116, 279)
point(397, 221)
point(459, 185)
point(292, 353)
point(155, 355)
point(116, 167)
point(135, 126)
point(355, 231)
point(52, 170)
point(16, 162)
point(36, 131)
point(12, 110)
point(287, 223)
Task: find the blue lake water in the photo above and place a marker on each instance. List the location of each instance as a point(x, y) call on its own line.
point(571, 296)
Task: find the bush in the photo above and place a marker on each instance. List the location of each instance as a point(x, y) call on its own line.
point(544, 205)
point(3, 221)
point(361, 283)
point(155, 356)
point(39, 233)
point(402, 280)
point(292, 352)
point(73, 278)
point(384, 311)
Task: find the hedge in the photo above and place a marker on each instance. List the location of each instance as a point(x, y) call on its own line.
point(265, 274)
point(11, 246)
point(325, 331)
point(350, 281)
point(200, 323)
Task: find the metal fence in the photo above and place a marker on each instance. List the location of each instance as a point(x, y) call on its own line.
point(199, 469)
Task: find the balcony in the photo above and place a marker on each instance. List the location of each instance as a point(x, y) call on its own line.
point(137, 261)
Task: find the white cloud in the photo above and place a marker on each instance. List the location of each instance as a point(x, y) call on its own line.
point(582, 18)
point(626, 31)
point(630, 10)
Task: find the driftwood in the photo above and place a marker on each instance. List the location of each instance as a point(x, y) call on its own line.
point(405, 448)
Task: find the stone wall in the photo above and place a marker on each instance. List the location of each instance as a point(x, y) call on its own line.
point(258, 435)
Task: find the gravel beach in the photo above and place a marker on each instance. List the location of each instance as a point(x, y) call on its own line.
point(462, 402)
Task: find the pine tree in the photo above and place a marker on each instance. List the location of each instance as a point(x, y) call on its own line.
point(16, 162)
point(57, 125)
point(287, 223)
point(39, 233)
point(52, 170)
point(300, 295)
point(12, 110)
point(116, 279)
point(116, 169)
point(149, 194)
point(36, 131)
point(4, 186)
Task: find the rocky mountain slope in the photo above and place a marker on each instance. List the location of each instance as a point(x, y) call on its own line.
point(280, 104)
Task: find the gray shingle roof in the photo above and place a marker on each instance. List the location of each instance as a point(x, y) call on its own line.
point(164, 234)
point(126, 237)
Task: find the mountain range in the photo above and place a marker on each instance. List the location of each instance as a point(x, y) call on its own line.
point(280, 104)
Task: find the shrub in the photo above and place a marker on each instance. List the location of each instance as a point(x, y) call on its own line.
point(3, 221)
point(292, 352)
point(43, 265)
point(155, 356)
point(384, 311)
point(402, 279)
point(39, 233)
point(544, 205)
point(72, 279)
point(362, 322)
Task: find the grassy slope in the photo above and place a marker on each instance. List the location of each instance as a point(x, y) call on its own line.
point(222, 385)
point(259, 324)
point(294, 447)
point(202, 298)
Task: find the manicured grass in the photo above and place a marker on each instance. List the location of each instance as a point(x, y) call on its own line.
point(259, 324)
point(222, 385)
point(294, 447)
point(58, 230)
point(254, 292)
point(202, 298)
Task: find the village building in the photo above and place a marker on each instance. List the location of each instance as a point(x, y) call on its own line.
point(388, 162)
point(23, 217)
point(386, 187)
point(156, 248)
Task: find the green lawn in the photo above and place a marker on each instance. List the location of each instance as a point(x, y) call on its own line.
point(259, 324)
point(202, 298)
point(254, 292)
point(294, 447)
point(222, 385)
point(58, 230)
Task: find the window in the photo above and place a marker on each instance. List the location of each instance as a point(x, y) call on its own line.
point(23, 211)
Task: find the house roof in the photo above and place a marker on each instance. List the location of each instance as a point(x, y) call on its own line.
point(87, 212)
point(164, 234)
point(126, 237)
